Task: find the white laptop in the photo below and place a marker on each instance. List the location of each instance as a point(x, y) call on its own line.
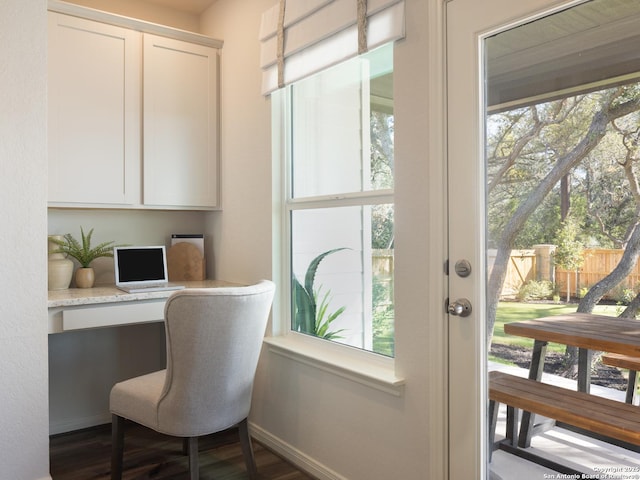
point(142, 269)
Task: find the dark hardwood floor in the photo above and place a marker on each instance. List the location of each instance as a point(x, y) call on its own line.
point(86, 455)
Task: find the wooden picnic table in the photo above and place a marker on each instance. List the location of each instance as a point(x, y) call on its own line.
point(586, 331)
point(583, 330)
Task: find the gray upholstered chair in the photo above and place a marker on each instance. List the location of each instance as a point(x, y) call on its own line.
point(214, 338)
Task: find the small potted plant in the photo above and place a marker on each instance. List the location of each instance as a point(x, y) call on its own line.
point(84, 254)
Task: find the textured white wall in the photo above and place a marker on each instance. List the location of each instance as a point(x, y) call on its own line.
point(24, 428)
point(242, 230)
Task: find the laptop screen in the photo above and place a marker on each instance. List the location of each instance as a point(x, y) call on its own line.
point(140, 265)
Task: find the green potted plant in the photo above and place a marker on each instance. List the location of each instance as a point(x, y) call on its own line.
point(84, 254)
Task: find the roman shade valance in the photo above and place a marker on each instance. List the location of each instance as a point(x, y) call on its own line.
point(301, 37)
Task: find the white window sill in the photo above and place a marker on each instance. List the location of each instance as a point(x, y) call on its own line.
point(362, 367)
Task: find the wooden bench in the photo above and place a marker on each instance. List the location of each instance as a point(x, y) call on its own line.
point(630, 363)
point(602, 416)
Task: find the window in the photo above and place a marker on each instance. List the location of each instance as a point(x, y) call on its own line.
point(339, 202)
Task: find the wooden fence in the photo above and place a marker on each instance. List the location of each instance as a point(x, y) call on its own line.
point(537, 264)
point(523, 266)
point(598, 263)
point(382, 270)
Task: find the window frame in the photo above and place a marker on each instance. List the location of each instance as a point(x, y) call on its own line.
point(353, 363)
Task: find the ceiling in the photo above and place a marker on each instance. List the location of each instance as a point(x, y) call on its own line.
point(195, 7)
point(589, 43)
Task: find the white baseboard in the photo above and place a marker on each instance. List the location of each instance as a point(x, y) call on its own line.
point(69, 425)
point(293, 455)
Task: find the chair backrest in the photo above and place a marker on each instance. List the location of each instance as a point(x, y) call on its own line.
point(214, 338)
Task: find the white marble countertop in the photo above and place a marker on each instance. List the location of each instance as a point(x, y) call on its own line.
point(111, 294)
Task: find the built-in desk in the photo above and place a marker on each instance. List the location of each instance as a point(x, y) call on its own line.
point(100, 336)
point(108, 306)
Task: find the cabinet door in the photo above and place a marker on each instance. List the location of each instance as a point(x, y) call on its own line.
point(94, 112)
point(180, 124)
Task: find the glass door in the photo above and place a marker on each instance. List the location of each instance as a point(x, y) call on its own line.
point(541, 175)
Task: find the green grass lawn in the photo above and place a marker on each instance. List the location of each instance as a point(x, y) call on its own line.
point(515, 311)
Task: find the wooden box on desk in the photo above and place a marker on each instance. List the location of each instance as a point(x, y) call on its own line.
point(185, 262)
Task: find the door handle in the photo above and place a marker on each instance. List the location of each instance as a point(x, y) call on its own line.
point(460, 308)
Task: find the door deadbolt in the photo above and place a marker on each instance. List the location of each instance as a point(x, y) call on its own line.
point(461, 308)
point(463, 268)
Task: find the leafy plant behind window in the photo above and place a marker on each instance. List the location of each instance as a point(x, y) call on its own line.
point(309, 316)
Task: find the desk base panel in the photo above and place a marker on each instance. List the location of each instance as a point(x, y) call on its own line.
point(85, 364)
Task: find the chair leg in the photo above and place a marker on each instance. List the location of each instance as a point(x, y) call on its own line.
point(117, 446)
point(185, 446)
point(193, 458)
point(247, 449)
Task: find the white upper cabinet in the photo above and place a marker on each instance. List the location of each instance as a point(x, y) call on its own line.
point(94, 113)
point(180, 123)
point(133, 115)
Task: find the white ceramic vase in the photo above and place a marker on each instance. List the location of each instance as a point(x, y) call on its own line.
point(60, 268)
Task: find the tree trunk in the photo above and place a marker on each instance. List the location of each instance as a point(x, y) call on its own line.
point(632, 309)
point(565, 198)
point(623, 269)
